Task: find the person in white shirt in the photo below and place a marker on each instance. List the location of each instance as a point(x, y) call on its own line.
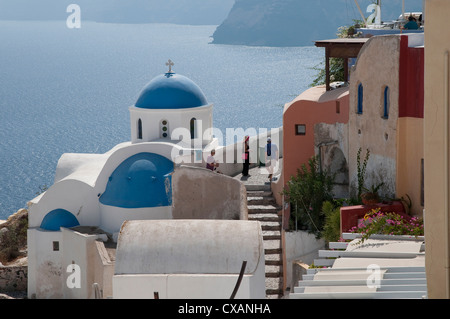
point(211, 161)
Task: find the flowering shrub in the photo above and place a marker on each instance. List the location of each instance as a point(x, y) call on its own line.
point(376, 222)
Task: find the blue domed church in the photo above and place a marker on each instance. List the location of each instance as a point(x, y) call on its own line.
point(171, 123)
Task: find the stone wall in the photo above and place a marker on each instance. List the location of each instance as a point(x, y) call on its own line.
point(13, 278)
point(199, 194)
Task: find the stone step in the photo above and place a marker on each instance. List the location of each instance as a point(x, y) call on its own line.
point(275, 296)
point(269, 251)
point(262, 207)
point(273, 259)
point(272, 247)
point(274, 286)
point(261, 200)
point(274, 271)
point(257, 209)
point(261, 193)
point(269, 234)
point(257, 187)
point(270, 225)
point(264, 217)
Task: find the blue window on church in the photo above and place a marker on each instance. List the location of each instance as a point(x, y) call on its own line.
point(193, 127)
point(139, 129)
point(360, 99)
point(59, 218)
point(386, 102)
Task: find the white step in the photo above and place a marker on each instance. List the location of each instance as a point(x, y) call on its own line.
point(366, 254)
point(361, 295)
point(324, 262)
point(359, 282)
point(338, 245)
point(392, 269)
point(351, 236)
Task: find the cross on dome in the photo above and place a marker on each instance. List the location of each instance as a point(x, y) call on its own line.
point(170, 64)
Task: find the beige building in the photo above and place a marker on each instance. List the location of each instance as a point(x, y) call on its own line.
point(436, 148)
point(386, 116)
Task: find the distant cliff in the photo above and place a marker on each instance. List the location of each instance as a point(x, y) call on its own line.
point(294, 22)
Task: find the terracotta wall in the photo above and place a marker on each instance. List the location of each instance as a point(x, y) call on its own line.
point(312, 107)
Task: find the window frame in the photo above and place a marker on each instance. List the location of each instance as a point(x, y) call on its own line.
point(297, 126)
point(360, 99)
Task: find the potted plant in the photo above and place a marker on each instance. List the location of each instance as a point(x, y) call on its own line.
point(370, 195)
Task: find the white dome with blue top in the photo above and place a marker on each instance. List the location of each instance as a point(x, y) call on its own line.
point(171, 91)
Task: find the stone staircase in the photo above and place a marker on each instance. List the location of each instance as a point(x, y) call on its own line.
point(263, 208)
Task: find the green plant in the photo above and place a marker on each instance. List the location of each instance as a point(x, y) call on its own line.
point(408, 203)
point(336, 64)
point(306, 192)
point(370, 195)
point(312, 266)
point(374, 188)
point(336, 72)
point(332, 226)
point(376, 222)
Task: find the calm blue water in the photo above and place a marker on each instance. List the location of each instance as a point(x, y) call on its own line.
point(68, 90)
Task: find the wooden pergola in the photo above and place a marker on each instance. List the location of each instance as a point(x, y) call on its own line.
point(344, 48)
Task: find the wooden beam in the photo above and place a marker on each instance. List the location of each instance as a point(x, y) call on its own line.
point(327, 68)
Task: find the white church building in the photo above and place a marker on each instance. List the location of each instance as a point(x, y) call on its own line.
point(138, 221)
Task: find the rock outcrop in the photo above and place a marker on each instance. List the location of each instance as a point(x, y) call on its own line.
point(280, 22)
point(295, 22)
point(13, 239)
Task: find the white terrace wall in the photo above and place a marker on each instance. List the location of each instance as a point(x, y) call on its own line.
point(300, 246)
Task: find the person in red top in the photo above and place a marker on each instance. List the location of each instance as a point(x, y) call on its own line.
point(246, 156)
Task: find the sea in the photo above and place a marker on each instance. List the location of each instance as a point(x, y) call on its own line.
point(68, 90)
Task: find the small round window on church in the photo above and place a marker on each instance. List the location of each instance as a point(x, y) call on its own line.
point(164, 127)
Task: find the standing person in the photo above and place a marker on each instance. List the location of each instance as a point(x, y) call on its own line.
point(246, 156)
point(271, 157)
